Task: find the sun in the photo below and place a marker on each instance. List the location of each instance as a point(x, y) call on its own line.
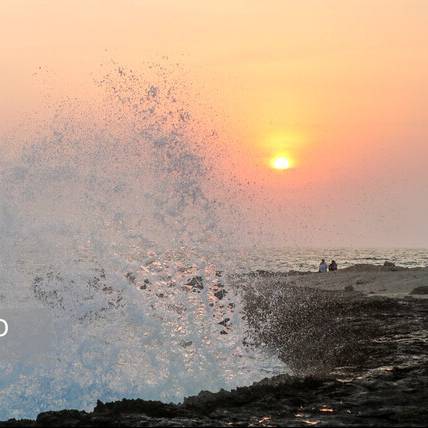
point(280, 162)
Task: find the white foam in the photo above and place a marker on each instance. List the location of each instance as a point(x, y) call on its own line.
point(100, 192)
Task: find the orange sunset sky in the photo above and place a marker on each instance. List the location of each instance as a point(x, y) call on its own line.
point(337, 87)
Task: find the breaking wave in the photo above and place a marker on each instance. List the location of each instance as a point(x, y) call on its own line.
point(114, 255)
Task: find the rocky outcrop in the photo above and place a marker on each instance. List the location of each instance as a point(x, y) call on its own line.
point(385, 382)
point(362, 361)
point(386, 267)
point(315, 331)
point(420, 290)
point(393, 397)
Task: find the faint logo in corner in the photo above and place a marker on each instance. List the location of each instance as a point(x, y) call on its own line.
point(4, 327)
point(26, 332)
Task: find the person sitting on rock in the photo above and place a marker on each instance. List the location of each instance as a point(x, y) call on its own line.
point(323, 266)
point(332, 267)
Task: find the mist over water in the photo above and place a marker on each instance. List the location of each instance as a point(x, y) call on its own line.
point(111, 252)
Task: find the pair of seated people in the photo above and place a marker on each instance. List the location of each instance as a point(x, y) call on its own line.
point(324, 267)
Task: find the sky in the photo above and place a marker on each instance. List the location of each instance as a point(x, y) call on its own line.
point(337, 87)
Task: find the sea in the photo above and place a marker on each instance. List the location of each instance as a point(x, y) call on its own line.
point(308, 259)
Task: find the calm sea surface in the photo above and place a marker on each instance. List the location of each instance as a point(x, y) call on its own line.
point(304, 259)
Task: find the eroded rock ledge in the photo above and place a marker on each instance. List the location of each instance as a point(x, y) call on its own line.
point(387, 387)
point(394, 397)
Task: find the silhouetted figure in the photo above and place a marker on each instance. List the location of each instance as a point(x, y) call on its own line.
point(323, 266)
point(332, 267)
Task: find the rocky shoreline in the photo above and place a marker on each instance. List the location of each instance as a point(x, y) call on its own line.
point(393, 398)
point(359, 359)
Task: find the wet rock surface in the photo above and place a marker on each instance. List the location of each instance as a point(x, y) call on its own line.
point(374, 371)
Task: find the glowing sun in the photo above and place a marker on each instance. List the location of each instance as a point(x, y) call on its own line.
point(280, 163)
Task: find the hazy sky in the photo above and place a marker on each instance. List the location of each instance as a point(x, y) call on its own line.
point(340, 87)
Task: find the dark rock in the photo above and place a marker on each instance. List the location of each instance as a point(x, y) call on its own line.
point(148, 408)
point(365, 267)
point(220, 294)
point(420, 290)
point(63, 418)
point(390, 266)
point(225, 322)
point(130, 276)
point(197, 283)
point(314, 331)
point(349, 288)
point(298, 272)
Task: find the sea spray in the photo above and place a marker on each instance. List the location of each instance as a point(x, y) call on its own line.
point(109, 232)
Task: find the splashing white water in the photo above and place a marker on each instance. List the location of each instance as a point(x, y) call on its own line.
point(108, 236)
